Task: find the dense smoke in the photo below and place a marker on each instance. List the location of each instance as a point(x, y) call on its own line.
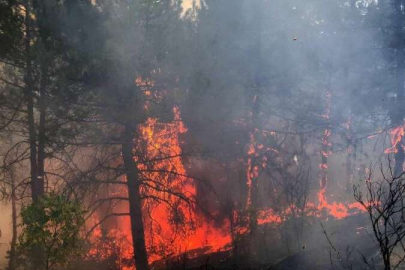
point(246, 134)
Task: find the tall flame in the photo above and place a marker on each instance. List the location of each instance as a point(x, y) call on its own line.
point(173, 225)
point(397, 134)
point(337, 210)
point(325, 153)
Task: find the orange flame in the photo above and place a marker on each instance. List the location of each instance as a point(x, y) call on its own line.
point(397, 134)
point(172, 224)
point(171, 232)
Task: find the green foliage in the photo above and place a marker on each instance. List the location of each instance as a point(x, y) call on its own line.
point(51, 230)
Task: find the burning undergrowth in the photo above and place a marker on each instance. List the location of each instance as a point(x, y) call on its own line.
point(179, 220)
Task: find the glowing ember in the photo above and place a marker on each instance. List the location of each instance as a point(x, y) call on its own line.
point(268, 216)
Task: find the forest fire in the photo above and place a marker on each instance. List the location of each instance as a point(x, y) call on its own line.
point(173, 225)
point(191, 134)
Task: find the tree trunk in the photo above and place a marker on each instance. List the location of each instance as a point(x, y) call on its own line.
point(397, 113)
point(37, 255)
point(254, 124)
point(135, 206)
point(387, 262)
point(12, 254)
point(42, 133)
point(29, 95)
point(397, 117)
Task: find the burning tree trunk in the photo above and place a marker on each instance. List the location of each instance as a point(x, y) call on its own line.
point(350, 132)
point(350, 154)
point(397, 112)
point(134, 196)
point(253, 167)
point(397, 117)
point(325, 153)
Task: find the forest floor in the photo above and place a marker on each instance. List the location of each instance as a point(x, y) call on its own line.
point(342, 247)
